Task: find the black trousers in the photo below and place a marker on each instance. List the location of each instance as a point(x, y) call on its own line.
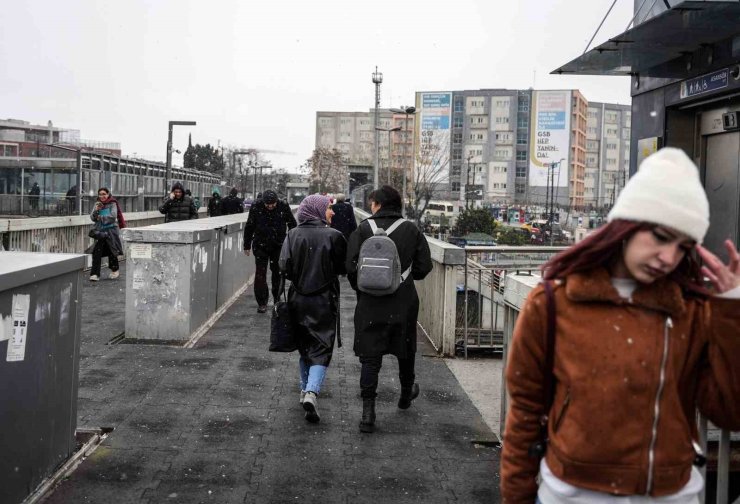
point(261, 293)
point(102, 249)
point(371, 368)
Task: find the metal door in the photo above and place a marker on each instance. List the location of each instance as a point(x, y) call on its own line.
point(722, 183)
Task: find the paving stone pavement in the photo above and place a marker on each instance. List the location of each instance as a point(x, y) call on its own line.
point(221, 422)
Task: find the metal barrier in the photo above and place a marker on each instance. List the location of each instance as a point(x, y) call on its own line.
point(182, 276)
point(479, 316)
point(40, 324)
point(516, 290)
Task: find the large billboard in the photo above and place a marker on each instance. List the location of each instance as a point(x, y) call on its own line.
point(550, 137)
point(433, 145)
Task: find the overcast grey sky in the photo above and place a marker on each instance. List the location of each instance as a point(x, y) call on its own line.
point(254, 73)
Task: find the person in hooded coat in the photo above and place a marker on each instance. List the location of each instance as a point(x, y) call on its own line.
point(232, 203)
point(108, 219)
point(178, 206)
point(264, 232)
point(312, 258)
point(214, 205)
point(387, 324)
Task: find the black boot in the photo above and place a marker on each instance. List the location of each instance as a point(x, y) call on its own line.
point(408, 395)
point(367, 424)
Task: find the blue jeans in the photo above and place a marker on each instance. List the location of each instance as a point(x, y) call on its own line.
point(311, 376)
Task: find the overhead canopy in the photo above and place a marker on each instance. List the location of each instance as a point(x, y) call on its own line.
point(683, 29)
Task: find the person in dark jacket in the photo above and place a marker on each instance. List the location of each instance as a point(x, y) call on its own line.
point(265, 232)
point(344, 217)
point(214, 206)
point(108, 219)
point(232, 203)
point(387, 324)
point(312, 257)
point(177, 206)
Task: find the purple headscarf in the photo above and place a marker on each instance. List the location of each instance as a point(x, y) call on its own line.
point(313, 208)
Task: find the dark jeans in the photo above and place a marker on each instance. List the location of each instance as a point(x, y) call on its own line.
point(101, 249)
point(260, 278)
point(371, 368)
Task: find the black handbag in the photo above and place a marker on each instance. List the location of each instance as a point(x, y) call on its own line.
point(282, 336)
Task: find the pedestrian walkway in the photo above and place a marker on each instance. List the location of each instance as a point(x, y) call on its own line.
point(221, 422)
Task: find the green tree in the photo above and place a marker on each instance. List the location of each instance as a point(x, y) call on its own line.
point(508, 235)
point(188, 159)
point(203, 158)
point(475, 220)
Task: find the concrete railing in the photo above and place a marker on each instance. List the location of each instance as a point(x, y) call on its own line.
point(716, 443)
point(60, 234)
point(66, 235)
point(437, 293)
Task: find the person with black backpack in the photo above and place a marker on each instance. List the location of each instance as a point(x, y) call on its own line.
point(384, 257)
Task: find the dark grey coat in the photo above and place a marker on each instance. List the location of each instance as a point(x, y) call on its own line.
point(312, 257)
point(178, 209)
point(387, 324)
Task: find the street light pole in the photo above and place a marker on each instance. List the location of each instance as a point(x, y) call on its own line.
point(389, 130)
point(377, 80)
point(407, 111)
point(168, 171)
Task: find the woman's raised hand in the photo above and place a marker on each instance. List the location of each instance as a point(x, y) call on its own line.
point(724, 277)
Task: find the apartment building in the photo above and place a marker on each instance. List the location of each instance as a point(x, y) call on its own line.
point(607, 153)
point(512, 146)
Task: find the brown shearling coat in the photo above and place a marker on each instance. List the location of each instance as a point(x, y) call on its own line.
point(609, 353)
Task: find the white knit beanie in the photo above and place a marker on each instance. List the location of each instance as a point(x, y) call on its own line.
point(666, 190)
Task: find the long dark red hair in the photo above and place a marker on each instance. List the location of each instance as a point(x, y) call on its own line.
point(604, 247)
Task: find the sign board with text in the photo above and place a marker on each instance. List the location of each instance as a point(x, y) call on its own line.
point(550, 137)
point(705, 83)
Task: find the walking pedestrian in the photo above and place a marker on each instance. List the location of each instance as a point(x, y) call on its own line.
point(214, 205)
point(265, 232)
point(344, 216)
point(387, 324)
point(177, 206)
point(232, 203)
point(34, 194)
point(616, 351)
point(108, 220)
point(312, 258)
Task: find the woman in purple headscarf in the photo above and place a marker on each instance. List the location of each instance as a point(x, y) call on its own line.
point(312, 258)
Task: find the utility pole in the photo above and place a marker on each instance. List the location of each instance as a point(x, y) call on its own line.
point(377, 80)
point(467, 182)
point(168, 170)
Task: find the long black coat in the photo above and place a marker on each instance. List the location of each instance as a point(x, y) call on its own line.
point(387, 324)
point(232, 205)
point(265, 229)
point(214, 206)
point(178, 209)
point(312, 257)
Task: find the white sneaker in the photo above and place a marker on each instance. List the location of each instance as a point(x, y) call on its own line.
point(303, 396)
point(114, 275)
point(94, 278)
point(309, 404)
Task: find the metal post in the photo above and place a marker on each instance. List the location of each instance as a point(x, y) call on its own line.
point(480, 303)
point(79, 182)
point(254, 182)
point(390, 157)
point(465, 316)
point(168, 172)
point(377, 80)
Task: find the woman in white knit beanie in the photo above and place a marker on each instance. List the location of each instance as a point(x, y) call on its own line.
point(620, 346)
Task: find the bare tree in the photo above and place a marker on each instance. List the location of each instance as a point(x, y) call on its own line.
point(327, 171)
point(431, 171)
